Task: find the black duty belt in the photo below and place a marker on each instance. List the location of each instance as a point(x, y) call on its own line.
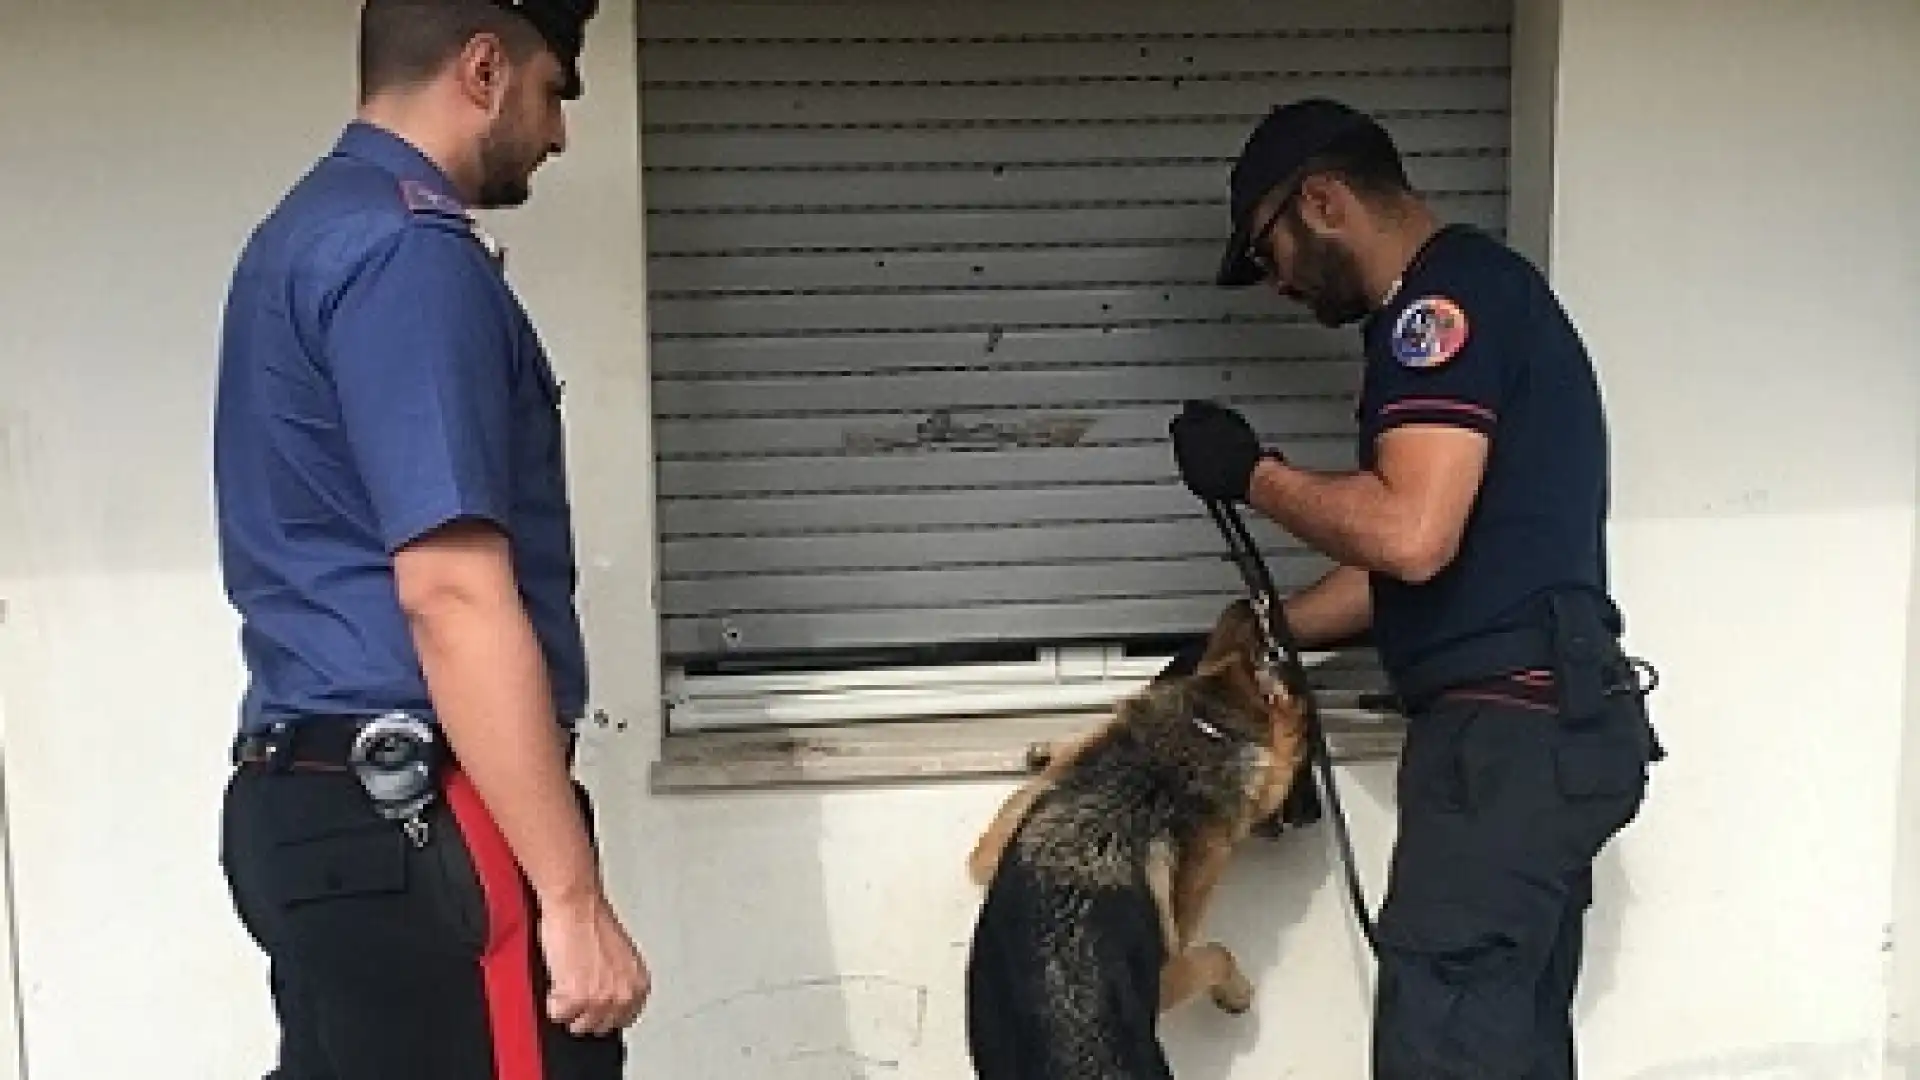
point(1484, 656)
point(325, 744)
point(321, 743)
point(1563, 633)
point(398, 758)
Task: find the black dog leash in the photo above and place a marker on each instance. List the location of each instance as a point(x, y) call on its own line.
point(1283, 655)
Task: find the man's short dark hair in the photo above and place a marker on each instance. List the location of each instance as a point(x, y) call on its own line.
point(1366, 159)
point(404, 43)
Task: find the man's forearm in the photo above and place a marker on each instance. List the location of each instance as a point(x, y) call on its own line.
point(1351, 517)
point(1337, 607)
point(488, 681)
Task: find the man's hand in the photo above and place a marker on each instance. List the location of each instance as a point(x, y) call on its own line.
point(599, 981)
point(1216, 451)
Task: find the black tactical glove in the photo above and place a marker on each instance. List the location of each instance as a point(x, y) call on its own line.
point(1216, 451)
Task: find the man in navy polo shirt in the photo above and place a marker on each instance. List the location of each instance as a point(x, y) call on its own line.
point(396, 538)
point(1470, 546)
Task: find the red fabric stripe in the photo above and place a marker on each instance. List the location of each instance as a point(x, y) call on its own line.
point(506, 965)
point(1438, 405)
point(1503, 699)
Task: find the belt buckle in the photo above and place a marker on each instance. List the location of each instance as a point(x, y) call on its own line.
point(271, 744)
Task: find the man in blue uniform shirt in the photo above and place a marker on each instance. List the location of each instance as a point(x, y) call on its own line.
point(1470, 546)
point(396, 538)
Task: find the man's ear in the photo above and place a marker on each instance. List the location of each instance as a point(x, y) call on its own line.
point(481, 71)
point(1326, 206)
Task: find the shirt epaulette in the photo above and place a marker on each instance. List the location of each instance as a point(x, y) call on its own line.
point(424, 200)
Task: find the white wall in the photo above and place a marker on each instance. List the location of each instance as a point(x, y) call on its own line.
point(141, 139)
point(10, 1048)
point(1715, 223)
point(1903, 961)
point(1903, 1052)
point(1734, 243)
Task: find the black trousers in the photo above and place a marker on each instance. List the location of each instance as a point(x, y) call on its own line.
point(1503, 807)
point(390, 961)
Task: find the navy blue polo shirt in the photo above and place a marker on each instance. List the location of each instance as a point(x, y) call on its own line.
point(1474, 338)
point(378, 379)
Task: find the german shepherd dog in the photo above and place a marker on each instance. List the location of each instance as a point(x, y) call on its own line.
point(1098, 870)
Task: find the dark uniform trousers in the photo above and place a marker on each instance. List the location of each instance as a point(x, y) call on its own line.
point(390, 961)
point(1504, 805)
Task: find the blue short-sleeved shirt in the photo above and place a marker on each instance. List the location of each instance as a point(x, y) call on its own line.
point(378, 379)
point(1474, 338)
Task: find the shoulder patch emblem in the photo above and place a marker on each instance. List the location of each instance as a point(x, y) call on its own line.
point(419, 197)
point(1429, 332)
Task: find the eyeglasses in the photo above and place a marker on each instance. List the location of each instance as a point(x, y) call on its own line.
point(1258, 246)
point(1259, 252)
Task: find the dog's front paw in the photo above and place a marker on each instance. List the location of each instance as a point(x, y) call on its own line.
point(1039, 755)
point(1231, 992)
point(981, 863)
point(1234, 997)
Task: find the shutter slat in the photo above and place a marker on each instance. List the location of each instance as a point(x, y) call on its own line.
point(1269, 57)
point(1184, 538)
point(1090, 225)
point(1007, 468)
point(1190, 261)
point(691, 637)
point(1003, 19)
point(1088, 388)
point(777, 515)
point(1471, 85)
point(937, 310)
point(981, 430)
point(736, 358)
point(1040, 581)
point(1038, 137)
point(877, 196)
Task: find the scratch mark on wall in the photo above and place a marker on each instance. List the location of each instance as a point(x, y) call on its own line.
point(843, 1053)
point(822, 982)
point(1786, 1061)
point(828, 1027)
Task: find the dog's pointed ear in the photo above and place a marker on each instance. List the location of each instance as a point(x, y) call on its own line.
point(1235, 632)
point(1231, 675)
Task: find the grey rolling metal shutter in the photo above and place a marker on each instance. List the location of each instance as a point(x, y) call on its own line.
point(926, 284)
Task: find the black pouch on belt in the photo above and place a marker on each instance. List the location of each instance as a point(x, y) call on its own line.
point(1583, 653)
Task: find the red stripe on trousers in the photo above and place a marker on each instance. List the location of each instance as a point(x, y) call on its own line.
point(506, 965)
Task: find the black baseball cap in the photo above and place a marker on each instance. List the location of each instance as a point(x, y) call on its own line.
point(1283, 142)
point(563, 26)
